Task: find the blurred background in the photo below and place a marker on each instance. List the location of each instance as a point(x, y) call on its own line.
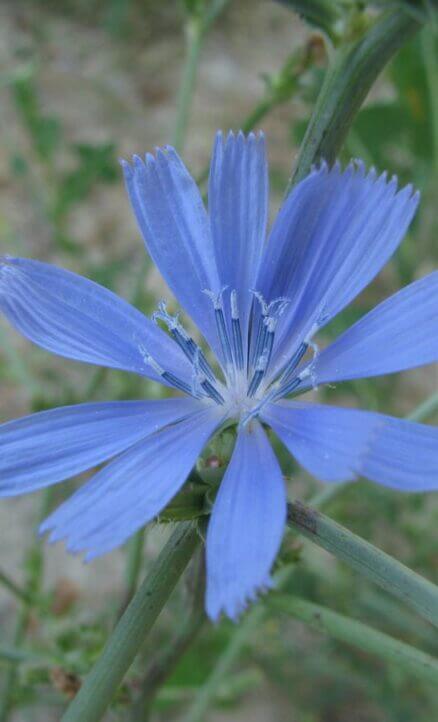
point(81, 85)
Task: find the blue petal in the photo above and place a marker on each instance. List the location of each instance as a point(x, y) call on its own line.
point(50, 446)
point(134, 488)
point(238, 206)
point(76, 318)
point(176, 231)
point(338, 444)
point(400, 333)
point(334, 233)
point(246, 525)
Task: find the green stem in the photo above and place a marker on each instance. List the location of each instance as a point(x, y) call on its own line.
point(198, 25)
point(133, 566)
point(362, 636)
point(363, 557)
point(102, 682)
point(14, 588)
point(15, 656)
point(166, 660)
point(11, 655)
point(428, 47)
point(17, 367)
point(355, 67)
point(280, 88)
point(194, 40)
point(425, 410)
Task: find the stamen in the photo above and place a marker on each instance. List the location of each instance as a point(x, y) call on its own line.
point(236, 332)
point(259, 373)
point(256, 347)
point(172, 379)
point(271, 325)
point(293, 363)
point(268, 309)
point(271, 312)
point(288, 388)
point(212, 392)
point(201, 382)
point(184, 341)
point(166, 375)
point(221, 326)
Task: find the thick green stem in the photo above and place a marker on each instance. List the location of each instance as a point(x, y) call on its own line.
point(359, 635)
point(133, 567)
point(197, 27)
point(428, 46)
point(102, 682)
point(363, 557)
point(356, 65)
point(166, 660)
point(194, 39)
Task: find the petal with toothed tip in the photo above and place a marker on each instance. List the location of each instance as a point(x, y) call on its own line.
point(238, 207)
point(246, 525)
point(333, 234)
point(176, 230)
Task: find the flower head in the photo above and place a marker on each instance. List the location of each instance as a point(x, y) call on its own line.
point(259, 306)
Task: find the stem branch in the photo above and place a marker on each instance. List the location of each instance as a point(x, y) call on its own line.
point(355, 67)
point(359, 635)
point(363, 557)
point(166, 660)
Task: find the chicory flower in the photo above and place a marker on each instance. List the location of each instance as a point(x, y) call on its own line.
point(259, 306)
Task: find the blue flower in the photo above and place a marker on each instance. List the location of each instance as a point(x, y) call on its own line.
point(259, 307)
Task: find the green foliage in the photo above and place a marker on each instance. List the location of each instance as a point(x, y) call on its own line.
point(89, 164)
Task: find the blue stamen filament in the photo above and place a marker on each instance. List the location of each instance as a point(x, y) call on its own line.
point(293, 363)
point(236, 333)
point(212, 392)
point(287, 389)
point(223, 335)
point(184, 341)
point(243, 395)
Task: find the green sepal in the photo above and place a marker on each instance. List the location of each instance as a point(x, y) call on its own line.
point(188, 504)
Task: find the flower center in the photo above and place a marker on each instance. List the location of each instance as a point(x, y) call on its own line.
point(246, 356)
